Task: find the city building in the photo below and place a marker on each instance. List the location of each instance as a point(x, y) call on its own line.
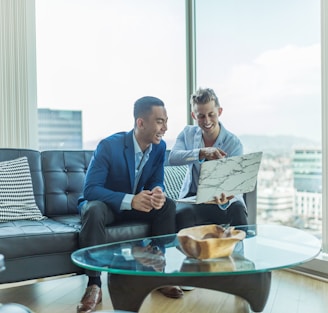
point(307, 170)
point(59, 129)
point(275, 197)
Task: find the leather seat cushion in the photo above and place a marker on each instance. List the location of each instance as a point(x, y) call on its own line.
point(25, 238)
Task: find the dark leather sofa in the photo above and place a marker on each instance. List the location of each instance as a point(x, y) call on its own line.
point(38, 249)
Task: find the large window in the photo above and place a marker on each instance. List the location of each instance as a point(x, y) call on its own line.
point(99, 56)
point(263, 59)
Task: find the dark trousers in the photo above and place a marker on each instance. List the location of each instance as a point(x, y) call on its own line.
point(96, 216)
point(189, 215)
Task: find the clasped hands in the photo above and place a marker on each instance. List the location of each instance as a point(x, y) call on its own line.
point(147, 200)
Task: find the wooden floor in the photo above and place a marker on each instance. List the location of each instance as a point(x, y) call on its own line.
point(290, 293)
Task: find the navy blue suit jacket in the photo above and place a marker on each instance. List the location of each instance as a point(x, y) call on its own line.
point(111, 171)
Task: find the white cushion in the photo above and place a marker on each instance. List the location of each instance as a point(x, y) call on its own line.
point(17, 200)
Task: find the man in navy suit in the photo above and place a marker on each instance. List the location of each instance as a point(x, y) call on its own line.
point(124, 181)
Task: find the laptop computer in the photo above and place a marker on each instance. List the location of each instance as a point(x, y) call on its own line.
point(231, 176)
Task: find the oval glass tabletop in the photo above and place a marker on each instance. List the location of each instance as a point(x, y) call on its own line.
point(265, 248)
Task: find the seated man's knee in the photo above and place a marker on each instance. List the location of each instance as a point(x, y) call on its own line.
point(238, 208)
point(170, 204)
point(184, 217)
point(94, 209)
point(238, 214)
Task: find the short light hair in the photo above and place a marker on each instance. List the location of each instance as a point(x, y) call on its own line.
point(203, 96)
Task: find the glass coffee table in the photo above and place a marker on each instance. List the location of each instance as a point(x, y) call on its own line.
point(136, 267)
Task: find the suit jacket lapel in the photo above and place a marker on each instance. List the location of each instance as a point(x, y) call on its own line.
point(130, 156)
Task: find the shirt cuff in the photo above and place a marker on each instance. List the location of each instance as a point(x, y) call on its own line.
point(224, 206)
point(127, 202)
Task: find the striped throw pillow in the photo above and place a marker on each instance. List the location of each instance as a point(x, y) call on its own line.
point(173, 178)
point(17, 200)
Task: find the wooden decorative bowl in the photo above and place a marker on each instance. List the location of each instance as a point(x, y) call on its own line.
point(209, 241)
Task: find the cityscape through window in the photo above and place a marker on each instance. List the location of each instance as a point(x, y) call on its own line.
point(261, 57)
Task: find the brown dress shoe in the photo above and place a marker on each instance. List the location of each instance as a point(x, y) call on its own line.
point(90, 299)
point(174, 292)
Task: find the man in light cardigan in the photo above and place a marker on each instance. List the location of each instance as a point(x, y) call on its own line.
point(208, 140)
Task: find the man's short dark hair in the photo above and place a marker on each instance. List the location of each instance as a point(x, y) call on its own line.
point(143, 106)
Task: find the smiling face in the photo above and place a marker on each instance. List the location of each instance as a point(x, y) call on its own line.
point(152, 127)
point(207, 117)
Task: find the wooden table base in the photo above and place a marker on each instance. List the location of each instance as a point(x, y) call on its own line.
point(128, 292)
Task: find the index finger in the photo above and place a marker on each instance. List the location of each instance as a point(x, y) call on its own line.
point(222, 152)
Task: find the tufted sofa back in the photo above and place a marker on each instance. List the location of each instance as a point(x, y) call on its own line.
point(63, 174)
point(58, 178)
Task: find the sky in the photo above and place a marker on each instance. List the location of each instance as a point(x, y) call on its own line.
point(265, 64)
point(261, 57)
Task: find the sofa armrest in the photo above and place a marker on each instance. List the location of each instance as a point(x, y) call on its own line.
point(251, 203)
